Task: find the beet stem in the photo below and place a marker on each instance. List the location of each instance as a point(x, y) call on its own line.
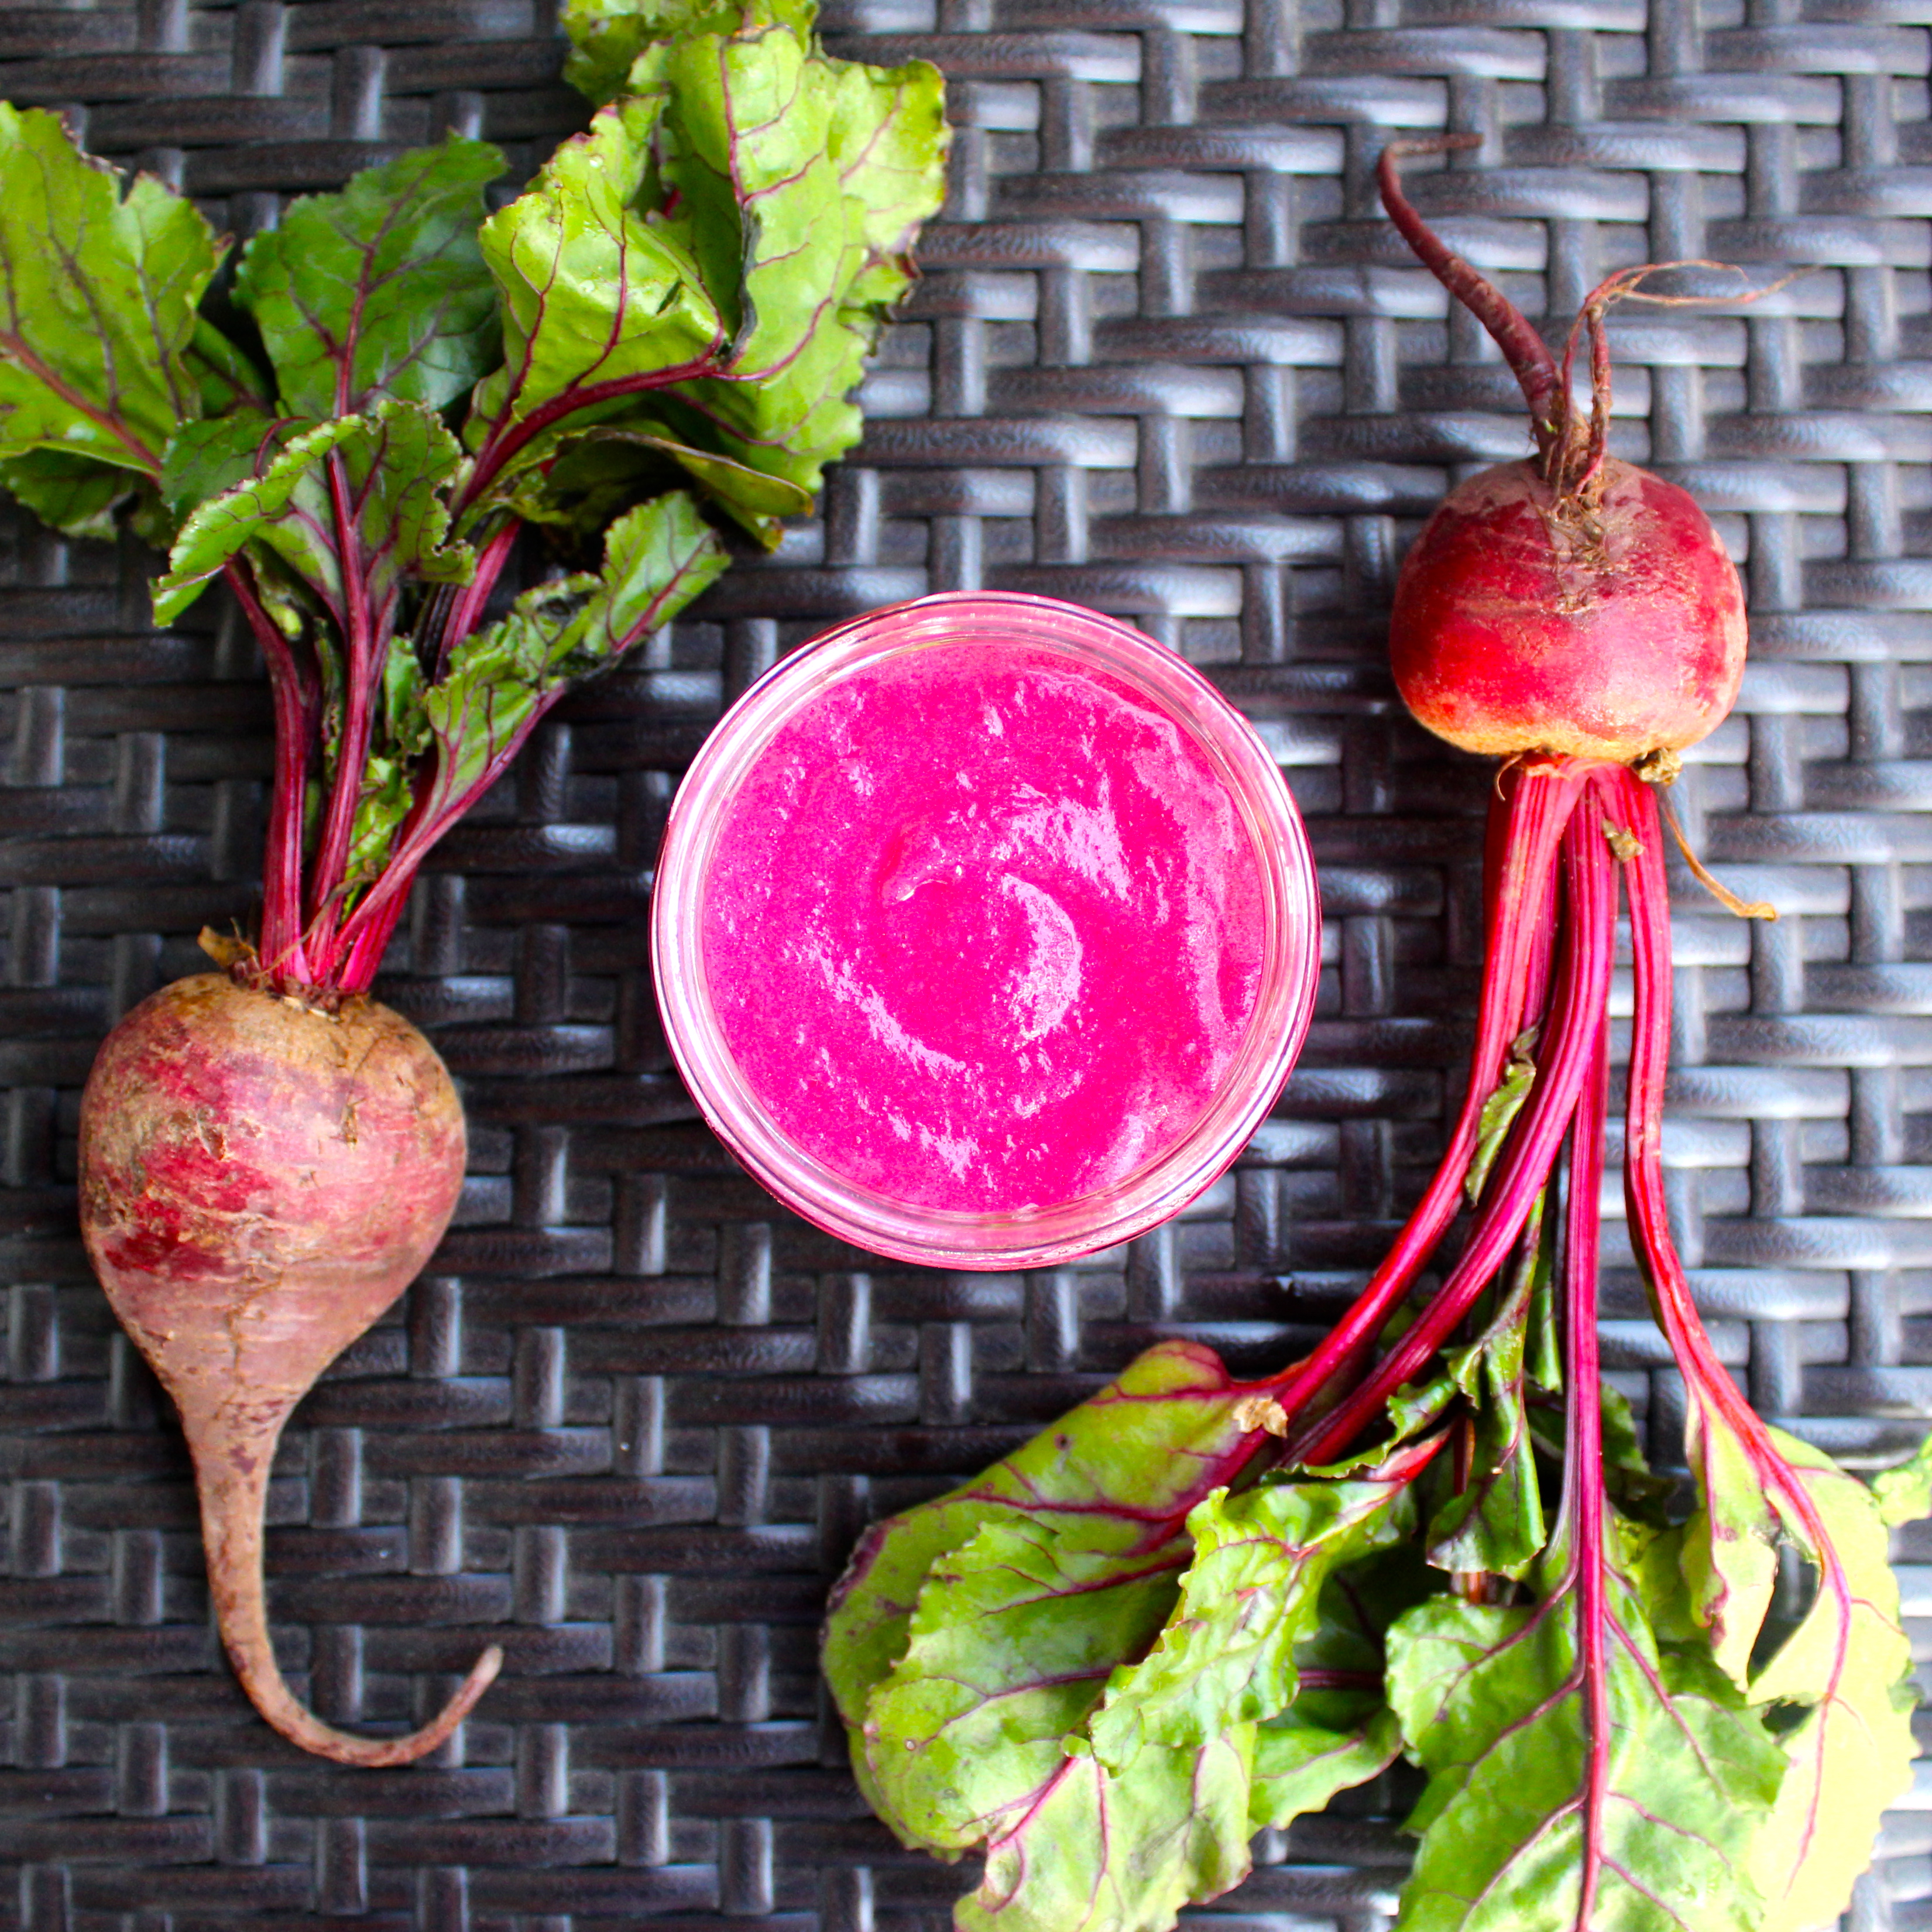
point(461, 619)
point(231, 1466)
point(1575, 1023)
point(1526, 822)
point(296, 702)
point(362, 935)
point(1643, 1185)
point(366, 931)
point(1584, 1498)
point(1708, 1383)
point(360, 669)
point(1523, 349)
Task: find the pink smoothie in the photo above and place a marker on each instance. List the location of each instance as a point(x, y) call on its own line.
point(983, 928)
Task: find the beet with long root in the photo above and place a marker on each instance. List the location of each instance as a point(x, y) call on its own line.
point(260, 1178)
point(268, 1156)
point(1196, 1607)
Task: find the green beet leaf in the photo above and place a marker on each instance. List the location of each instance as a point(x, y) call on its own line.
point(1339, 1732)
point(656, 558)
point(1849, 1665)
point(1730, 1548)
point(1300, 1762)
point(1904, 1493)
point(826, 169)
point(1640, 1496)
point(390, 464)
point(1653, 1559)
point(388, 791)
point(1119, 1472)
point(1498, 1113)
point(380, 292)
point(282, 505)
point(1845, 1668)
point(98, 302)
point(1099, 1853)
point(225, 377)
point(1012, 1642)
point(600, 473)
point(606, 36)
point(1627, 1473)
point(72, 494)
point(1037, 1592)
point(206, 460)
point(1494, 1522)
point(594, 295)
point(1518, 1815)
point(710, 265)
point(1249, 1597)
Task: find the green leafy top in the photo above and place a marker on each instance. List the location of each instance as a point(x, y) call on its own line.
point(100, 284)
point(380, 291)
point(754, 201)
point(636, 337)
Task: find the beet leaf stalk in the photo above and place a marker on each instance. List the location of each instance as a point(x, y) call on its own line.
point(658, 337)
point(1197, 1606)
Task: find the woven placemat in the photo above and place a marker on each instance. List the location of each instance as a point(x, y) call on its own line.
point(1168, 362)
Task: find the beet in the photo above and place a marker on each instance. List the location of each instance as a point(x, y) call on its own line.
point(1626, 1720)
point(260, 1178)
point(1601, 630)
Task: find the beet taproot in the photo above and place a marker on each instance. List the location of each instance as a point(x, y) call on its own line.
point(260, 1178)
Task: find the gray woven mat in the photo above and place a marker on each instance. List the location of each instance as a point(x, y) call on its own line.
point(1167, 361)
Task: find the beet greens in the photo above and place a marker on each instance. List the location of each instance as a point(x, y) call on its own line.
point(1196, 1607)
point(403, 381)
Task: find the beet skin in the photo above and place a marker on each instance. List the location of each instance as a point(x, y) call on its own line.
point(1523, 624)
point(259, 1180)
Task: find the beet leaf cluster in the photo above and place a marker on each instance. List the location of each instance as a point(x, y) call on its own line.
point(658, 336)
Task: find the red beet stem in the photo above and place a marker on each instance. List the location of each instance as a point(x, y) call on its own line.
point(365, 646)
point(1527, 816)
point(1643, 1167)
point(1583, 1497)
point(1677, 1314)
point(1568, 1047)
point(1707, 1384)
point(1523, 349)
point(296, 702)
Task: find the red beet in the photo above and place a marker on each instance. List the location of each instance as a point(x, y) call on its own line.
point(1573, 603)
point(1600, 628)
point(259, 1180)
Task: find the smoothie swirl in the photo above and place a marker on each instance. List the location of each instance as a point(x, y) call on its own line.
point(983, 928)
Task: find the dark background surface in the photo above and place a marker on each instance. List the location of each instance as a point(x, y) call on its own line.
point(1167, 361)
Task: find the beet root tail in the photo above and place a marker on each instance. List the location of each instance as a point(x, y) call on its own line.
point(231, 1481)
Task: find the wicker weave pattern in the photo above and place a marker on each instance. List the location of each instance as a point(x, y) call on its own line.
point(1166, 360)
